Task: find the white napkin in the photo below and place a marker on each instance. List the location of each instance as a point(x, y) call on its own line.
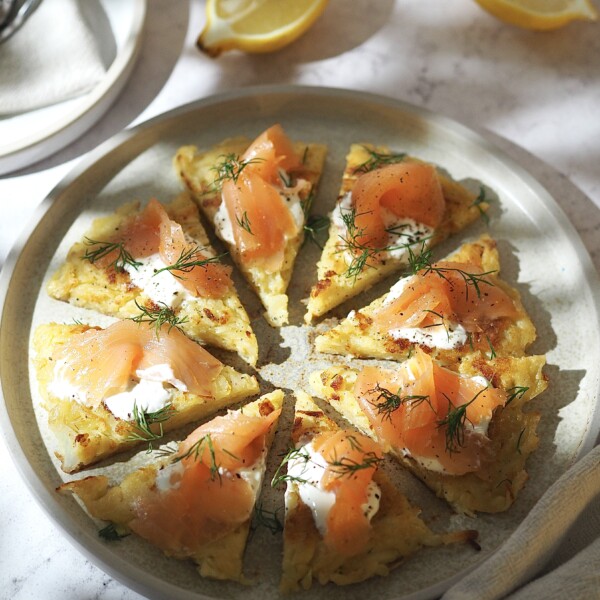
point(52, 58)
point(566, 517)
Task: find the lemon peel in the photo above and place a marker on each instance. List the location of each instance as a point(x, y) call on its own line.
point(541, 15)
point(256, 25)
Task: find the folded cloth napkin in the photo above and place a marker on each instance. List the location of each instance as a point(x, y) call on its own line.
point(566, 518)
point(53, 57)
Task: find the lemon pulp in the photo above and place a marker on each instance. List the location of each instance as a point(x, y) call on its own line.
point(256, 25)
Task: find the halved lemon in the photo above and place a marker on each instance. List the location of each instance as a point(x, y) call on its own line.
point(540, 14)
point(256, 25)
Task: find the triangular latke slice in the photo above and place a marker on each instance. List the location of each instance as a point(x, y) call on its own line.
point(348, 268)
point(360, 334)
point(205, 173)
point(89, 432)
point(395, 531)
point(197, 503)
point(512, 431)
point(218, 321)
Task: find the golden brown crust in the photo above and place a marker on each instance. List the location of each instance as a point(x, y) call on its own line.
point(356, 336)
point(87, 435)
point(334, 286)
point(197, 172)
point(220, 558)
point(397, 530)
point(221, 322)
point(512, 431)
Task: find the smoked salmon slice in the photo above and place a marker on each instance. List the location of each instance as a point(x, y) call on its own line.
point(388, 204)
point(408, 190)
point(152, 231)
point(271, 151)
point(446, 293)
point(438, 417)
point(352, 460)
point(236, 440)
point(192, 504)
point(261, 219)
point(366, 529)
point(257, 195)
point(206, 498)
point(102, 361)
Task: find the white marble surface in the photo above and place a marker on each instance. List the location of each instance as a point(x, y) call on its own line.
point(536, 95)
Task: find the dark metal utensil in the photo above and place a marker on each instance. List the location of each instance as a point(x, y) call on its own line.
point(13, 13)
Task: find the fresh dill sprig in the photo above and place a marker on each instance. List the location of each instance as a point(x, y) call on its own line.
point(167, 450)
point(346, 467)
point(379, 159)
point(188, 260)
point(492, 350)
point(481, 199)
point(421, 262)
point(159, 316)
point(230, 168)
point(519, 440)
point(470, 340)
point(354, 443)
point(244, 222)
point(399, 230)
point(455, 421)
point(111, 533)
point(387, 402)
point(285, 178)
point(196, 452)
point(361, 252)
point(103, 249)
point(417, 261)
point(292, 455)
point(506, 481)
point(517, 392)
point(313, 227)
point(143, 421)
point(267, 518)
point(304, 155)
point(441, 324)
point(307, 203)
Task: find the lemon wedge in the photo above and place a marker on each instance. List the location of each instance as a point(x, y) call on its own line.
point(540, 14)
point(256, 25)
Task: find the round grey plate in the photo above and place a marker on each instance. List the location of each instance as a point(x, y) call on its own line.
point(541, 254)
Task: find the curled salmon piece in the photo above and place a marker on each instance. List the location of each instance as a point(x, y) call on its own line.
point(430, 413)
point(152, 231)
point(452, 292)
point(199, 508)
point(206, 497)
point(210, 279)
point(352, 460)
point(260, 219)
point(233, 441)
point(271, 151)
point(409, 190)
point(256, 199)
point(102, 361)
